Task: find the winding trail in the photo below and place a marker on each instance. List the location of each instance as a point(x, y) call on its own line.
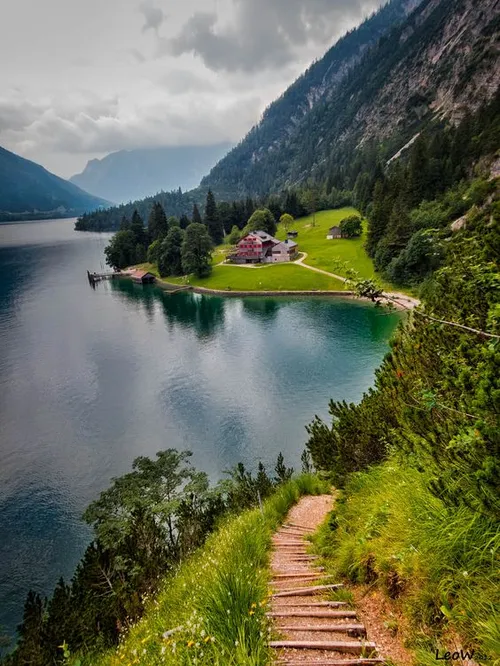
point(313, 629)
point(398, 299)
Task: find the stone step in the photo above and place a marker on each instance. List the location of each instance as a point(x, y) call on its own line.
point(352, 647)
point(353, 630)
point(318, 604)
point(306, 591)
point(333, 662)
point(317, 574)
point(322, 614)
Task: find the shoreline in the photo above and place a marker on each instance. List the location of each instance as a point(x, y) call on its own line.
point(351, 295)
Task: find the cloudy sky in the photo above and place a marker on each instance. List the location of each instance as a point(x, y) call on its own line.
point(82, 78)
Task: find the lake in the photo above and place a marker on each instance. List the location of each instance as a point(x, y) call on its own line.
point(91, 379)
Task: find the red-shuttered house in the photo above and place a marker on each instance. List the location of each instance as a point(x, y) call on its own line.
point(255, 248)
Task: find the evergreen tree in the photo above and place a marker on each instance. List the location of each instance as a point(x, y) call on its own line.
point(197, 251)
point(212, 220)
point(157, 222)
point(31, 632)
point(184, 221)
point(196, 217)
point(137, 228)
point(249, 208)
point(170, 253)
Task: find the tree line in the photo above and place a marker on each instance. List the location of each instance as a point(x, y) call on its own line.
point(145, 524)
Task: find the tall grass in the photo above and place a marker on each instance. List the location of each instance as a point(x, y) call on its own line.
point(218, 597)
point(442, 563)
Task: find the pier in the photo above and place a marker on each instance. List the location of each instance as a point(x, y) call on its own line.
point(97, 277)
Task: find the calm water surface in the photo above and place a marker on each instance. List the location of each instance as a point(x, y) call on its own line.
point(91, 379)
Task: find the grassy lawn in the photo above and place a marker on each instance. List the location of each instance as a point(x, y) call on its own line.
point(284, 277)
point(323, 253)
point(329, 255)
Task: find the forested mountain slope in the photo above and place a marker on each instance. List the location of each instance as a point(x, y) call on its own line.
point(27, 190)
point(439, 63)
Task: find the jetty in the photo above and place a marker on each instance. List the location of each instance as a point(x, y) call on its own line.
point(97, 277)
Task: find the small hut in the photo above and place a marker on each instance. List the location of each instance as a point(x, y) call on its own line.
point(334, 232)
point(143, 277)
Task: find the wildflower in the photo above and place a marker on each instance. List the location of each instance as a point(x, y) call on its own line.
point(190, 644)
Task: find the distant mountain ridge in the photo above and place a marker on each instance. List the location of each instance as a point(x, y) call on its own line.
point(128, 175)
point(28, 191)
point(410, 64)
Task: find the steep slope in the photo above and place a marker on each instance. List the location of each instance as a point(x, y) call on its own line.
point(442, 60)
point(133, 174)
point(27, 190)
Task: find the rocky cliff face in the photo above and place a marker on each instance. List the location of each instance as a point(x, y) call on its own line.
point(454, 70)
point(435, 59)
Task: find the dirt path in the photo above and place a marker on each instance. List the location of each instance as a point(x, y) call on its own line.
point(398, 299)
point(312, 629)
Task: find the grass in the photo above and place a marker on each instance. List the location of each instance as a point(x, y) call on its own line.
point(439, 564)
point(331, 255)
point(218, 596)
point(282, 277)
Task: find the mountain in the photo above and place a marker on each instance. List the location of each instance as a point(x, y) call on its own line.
point(411, 63)
point(28, 191)
point(134, 174)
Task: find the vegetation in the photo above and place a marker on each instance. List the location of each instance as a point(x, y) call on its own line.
point(28, 191)
point(261, 220)
point(351, 227)
point(228, 574)
point(146, 526)
point(437, 562)
point(424, 525)
point(197, 251)
point(279, 277)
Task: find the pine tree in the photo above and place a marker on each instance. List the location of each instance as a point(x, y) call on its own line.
point(212, 219)
point(196, 217)
point(137, 228)
point(31, 632)
point(157, 222)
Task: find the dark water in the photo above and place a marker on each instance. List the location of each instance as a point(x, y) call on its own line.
point(91, 379)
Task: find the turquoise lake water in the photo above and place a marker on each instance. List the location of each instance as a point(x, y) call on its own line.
point(90, 379)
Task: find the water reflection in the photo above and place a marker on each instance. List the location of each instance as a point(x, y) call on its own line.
point(203, 314)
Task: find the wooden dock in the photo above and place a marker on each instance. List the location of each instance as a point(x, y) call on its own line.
point(98, 277)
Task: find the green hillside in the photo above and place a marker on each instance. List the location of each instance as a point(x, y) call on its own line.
point(27, 190)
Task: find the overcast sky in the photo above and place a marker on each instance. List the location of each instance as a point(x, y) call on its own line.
point(82, 78)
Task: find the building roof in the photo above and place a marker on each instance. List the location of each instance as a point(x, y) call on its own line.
point(334, 229)
point(285, 245)
point(141, 274)
point(263, 235)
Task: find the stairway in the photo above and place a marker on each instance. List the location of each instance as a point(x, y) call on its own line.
point(312, 629)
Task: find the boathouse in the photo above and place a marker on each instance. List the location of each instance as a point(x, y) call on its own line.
point(143, 277)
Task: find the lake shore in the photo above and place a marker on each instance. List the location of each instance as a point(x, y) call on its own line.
point(399, 301)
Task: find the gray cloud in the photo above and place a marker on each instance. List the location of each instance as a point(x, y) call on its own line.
point(265, 34)
point(222, 62)
point(17, 114)
point(182, 81)
point(153, 17)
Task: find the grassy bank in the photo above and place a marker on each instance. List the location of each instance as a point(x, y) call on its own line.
point(330, 255)
point(438, 565)
point(218, 596)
